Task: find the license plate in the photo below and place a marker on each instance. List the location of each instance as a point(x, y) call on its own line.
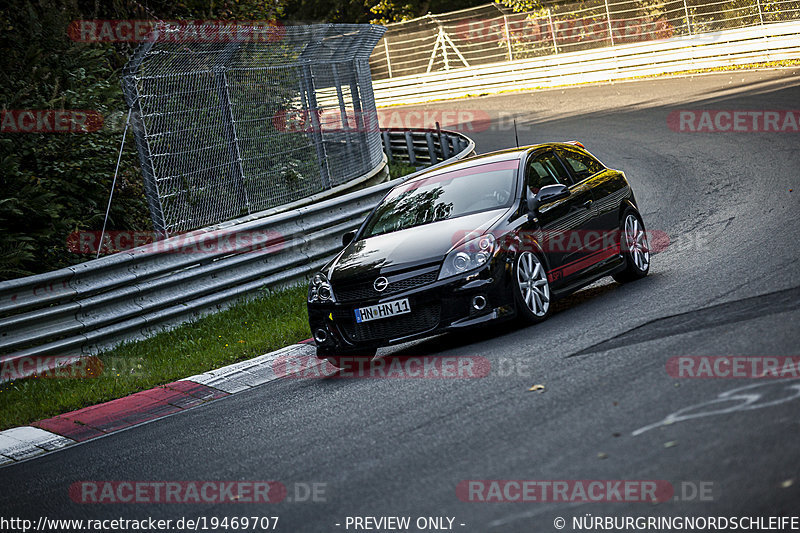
point(384, 310)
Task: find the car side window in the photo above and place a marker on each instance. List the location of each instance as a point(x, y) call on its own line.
point(582, 165)
point(545, 169)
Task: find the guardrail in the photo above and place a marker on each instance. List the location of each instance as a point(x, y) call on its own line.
point(83, 309)
point(769, 42)
point(422, 148)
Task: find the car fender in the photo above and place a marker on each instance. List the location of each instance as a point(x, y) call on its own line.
point(625, 204)
point(526, 242)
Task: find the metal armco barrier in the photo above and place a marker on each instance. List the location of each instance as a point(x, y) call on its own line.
point(422, 148)
point(83, 309)
point(769, 42)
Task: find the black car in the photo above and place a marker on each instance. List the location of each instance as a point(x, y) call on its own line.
point(487, 238)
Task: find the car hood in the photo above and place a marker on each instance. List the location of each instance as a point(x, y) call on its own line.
point(409, 248)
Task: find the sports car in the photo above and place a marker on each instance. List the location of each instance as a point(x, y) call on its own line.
point(488, 238)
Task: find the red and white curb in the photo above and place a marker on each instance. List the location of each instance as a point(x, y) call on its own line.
point(17, 444)
point(22, 443)
point(253, 372)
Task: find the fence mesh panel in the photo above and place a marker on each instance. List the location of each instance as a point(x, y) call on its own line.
point(493, 33)
point(245, 123)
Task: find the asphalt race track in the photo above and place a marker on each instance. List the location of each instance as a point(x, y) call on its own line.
point(728, 284)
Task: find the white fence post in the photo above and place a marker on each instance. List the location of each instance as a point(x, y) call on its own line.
point(608, 19)
point(386, 49)
point(552, 30)
point(508, 37)
point(688, 23)
point(571, 30)
point(444, 49)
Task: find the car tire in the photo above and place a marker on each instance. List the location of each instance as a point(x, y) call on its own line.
point(634, 247)
point(531, 287)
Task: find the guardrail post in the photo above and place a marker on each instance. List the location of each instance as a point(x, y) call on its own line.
point(431, 148)
point(412, 157)
point(443, 142)
point(387, 146)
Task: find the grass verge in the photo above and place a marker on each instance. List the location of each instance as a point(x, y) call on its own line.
point(243, 331)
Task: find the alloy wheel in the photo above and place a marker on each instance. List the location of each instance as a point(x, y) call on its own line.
point(533, 285)
point(636, 241)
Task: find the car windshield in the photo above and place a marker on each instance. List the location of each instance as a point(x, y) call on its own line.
point(447, 195)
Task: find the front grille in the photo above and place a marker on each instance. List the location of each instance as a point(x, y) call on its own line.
point(420, 319)
point(365, 290)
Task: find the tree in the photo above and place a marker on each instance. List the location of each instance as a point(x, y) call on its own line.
point(54, 184)
point(365, 11)
point(520, 6)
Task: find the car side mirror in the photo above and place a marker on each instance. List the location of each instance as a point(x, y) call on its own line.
point(551, 193)
point(546, 195)
point(348, 237)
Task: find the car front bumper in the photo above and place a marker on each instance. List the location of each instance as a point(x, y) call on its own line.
point(435, 308)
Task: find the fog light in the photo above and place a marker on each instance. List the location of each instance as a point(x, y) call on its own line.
point(324, 292)
point(478, 303)
point(320, 336)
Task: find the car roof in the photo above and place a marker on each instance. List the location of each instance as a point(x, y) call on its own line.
point(490, 157)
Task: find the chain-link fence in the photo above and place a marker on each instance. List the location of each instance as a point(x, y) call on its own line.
point(242, 122)
point(494, 33)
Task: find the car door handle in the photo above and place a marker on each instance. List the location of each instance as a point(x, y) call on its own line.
point(587, 204)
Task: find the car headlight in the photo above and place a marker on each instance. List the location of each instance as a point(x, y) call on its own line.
point(468, 256)
point(320, 290)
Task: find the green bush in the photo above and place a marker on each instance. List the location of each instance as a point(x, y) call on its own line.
point(53, 184)
point(56, 183)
